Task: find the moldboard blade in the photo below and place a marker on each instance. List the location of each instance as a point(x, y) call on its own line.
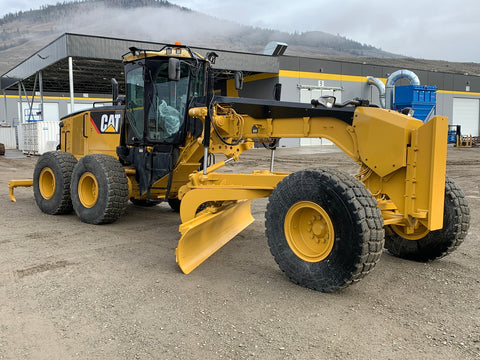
point(205, 234)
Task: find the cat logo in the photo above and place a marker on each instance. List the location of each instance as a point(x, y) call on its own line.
point(106, 122)
point(110, 123)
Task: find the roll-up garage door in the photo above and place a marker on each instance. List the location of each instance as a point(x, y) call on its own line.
point(466, 113)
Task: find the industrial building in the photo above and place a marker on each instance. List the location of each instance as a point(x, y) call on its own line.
point(74, 72)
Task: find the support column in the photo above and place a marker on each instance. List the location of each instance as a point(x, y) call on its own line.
point(5, 107)
point(70, 78)
point(40, 80)
point(20, 118)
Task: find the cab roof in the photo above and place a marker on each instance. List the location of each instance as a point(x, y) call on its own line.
point(175, 50)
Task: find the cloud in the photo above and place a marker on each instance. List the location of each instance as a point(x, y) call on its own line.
point(442, 29)
point(8, 6)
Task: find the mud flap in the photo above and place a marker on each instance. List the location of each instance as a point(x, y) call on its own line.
point(203, 235)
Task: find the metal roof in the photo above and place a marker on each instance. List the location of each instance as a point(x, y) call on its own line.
point(97, 59)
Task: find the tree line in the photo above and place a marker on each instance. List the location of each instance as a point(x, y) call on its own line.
point(65, 8)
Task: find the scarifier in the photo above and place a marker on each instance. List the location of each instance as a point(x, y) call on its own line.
point(325, 228)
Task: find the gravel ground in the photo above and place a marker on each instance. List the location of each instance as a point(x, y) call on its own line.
point(69, 290)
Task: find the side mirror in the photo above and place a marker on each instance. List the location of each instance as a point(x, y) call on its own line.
point(114, 90)
point(238, 80)
point(407, 111)
point(326, 101)
point(173, 69)
point(277, 91)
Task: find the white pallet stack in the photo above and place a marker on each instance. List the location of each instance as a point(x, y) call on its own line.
point(39, 137)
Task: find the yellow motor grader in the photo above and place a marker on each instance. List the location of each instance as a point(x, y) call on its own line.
point(325, 228)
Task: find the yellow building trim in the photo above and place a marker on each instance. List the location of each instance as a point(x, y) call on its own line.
point(261, 76)
point(458, 92)
point(282, 73)
point(231, 91)
point(63, 98)
point(353, 78)
point(323, 76)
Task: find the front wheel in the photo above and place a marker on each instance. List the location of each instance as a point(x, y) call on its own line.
point(99, 189)
point(324, 229)
point(423, 245)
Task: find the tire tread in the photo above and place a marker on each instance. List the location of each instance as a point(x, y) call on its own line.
point(439, 243)
point(368, 226)
point(117, 191)
point(62, 164)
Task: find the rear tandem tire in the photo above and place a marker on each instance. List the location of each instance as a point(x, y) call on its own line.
point(51, 182)
point(324, 229)
point(99, 189)
point(174, 204)
point(439, 243)
point(144, 202)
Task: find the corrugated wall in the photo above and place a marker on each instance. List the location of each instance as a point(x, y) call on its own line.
point(8, 138)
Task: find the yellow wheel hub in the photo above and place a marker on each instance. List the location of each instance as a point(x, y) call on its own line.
point(419, 232)
point(309, 231)
point(88, 190)
point(46, 183)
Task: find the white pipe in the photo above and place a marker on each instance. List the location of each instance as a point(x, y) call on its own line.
point(272, 159)
point(397, 75)
point(380, 86)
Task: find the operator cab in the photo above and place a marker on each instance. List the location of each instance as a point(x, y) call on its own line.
point(159, 88)
point(158, 92)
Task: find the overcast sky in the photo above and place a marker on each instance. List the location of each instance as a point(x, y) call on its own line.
point(429, 29)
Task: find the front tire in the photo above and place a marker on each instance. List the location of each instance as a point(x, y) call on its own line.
point(324, 229)
point(436, 244)
point(99, 189)
point(51, 182)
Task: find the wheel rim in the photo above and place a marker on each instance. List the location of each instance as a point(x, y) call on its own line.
point(46, 183)
point(309, 231)
point(88, 190)
point(419, 233)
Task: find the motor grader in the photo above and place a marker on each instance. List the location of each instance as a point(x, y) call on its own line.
point(325, 228)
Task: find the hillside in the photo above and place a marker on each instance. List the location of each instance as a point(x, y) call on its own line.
point(23, 33)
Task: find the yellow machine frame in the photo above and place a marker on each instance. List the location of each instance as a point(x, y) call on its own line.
point(402, 162)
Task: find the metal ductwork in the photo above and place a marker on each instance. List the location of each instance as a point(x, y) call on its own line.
point(380, 86)
point(397, 75)
point(275, 48)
